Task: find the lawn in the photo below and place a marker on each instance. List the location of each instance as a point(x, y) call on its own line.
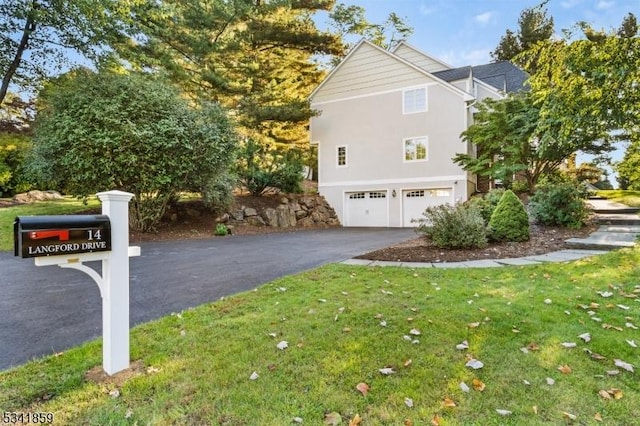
point(67, 206)
point(630, 198)
point(345, 326)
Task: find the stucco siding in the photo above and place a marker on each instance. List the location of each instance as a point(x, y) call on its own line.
point(374, 129)
point(367, 71)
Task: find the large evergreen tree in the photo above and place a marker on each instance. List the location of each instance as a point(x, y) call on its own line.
point(533, 26)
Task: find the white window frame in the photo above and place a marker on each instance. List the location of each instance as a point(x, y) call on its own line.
point(338, 156)
point(425, 139)
point(409, 105)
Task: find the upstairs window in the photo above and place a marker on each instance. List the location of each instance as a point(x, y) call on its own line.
point(342, 156)
point(414, 100)
point(415, 149)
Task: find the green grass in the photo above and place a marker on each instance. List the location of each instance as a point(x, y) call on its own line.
point(198, 363)
point(67, 206)
point(630, 198)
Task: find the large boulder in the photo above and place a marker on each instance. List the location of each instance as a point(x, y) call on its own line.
point(31, 196)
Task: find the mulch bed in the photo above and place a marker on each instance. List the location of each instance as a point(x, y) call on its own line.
point(544, 239)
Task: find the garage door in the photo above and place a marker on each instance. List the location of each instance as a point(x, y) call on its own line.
point(414, 202)
point(366, 208)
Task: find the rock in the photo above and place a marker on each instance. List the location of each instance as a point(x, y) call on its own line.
point(31, 196)
point(300, 214)
point(249, 211)
point(255, 221)
point(308, 202)
point(238, 215)
point(306, 222)
point(230, 230)
point(286, 216)
point(318, 217)
point(270, 217)
point(295, 206)
point(224, 218)
point(173, 217)
point(284, 200)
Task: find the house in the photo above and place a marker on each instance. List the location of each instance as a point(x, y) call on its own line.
point(388, 126)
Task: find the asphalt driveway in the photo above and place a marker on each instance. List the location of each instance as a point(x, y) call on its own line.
point(44, 310)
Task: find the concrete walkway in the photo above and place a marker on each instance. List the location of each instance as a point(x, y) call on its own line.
point(620, 227)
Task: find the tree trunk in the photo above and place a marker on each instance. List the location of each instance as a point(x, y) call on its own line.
point(29, 27)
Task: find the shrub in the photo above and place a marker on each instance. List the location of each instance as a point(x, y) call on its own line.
point(509, 221)
point(221, 229)
point(486, 204)
point(454, 227)
point(560, 203)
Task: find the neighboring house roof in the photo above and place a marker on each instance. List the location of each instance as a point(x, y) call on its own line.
point(502, 75)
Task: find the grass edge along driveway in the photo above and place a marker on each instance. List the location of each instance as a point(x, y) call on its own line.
point(380, 345)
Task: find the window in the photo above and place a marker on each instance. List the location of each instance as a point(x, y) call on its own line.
point(414, 100)
point(356, 196)
point(415, 149)
point(342, 156)
point(415, 194)
point(377, 195)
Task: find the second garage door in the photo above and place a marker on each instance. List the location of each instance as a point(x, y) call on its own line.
point(366, 208)
point(415, 201)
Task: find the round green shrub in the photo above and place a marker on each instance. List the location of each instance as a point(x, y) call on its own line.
point(559, 203)
point(509, 221)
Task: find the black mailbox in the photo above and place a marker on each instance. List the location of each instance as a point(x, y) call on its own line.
point(36, 236)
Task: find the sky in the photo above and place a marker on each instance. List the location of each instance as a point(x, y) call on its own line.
point(464, 32)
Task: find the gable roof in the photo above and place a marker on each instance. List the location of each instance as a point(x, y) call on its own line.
point(352, 52)
point(502, 75)
point(436, 61)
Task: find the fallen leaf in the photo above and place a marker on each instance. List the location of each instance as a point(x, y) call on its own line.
point(356, 420)
point(475, 364)
point(114, 393)
point(623, 365)
point(630, 325)
point(414, 332)
point(407, 363)
point(515, 330)
point(383, 323)
point(533, 346)
point(363, 388)
point(282, 345)
point(478, 385)
point(463, 345)
point(503, 412)
point(613, 372)
point(464, 387)
point(568, 345)
point(524, 350)
point(616, 393)
point(436, 420)
point(386, 371)
point(605, 293)
point(632, 343)
point(254, 376)
point(535, 409)
point(346, 330)
point(547, 301)
point(569, 416)
point(604, 394)
point(473, 325)
point(297, 420)
point(300, 345)
point(626, 308)
point(526, 382)
point(448, 402)
point(594, 305)
point(586, 337)
point(332, 419)
point(408, 402)
point(598, 357)
point(550, 381)
point(598, 417)
point(564, 369)
point(379, 316)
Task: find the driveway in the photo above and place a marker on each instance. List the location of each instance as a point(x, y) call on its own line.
point(44, 310)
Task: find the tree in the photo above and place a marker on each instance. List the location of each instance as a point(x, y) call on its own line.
point(587, 88)
point(99, 131)
point(629, 168)
point(37, 36)
point(534, 26)
point(506, 135)
point(351, 20)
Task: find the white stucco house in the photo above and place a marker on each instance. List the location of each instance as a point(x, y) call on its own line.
point(388, 126)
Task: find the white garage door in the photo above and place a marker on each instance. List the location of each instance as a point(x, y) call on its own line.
point(415, 201)
point(366, 208)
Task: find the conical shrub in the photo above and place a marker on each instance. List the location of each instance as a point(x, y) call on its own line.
point(509, 221)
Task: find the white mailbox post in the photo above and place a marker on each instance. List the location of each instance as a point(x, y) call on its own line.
point(87, 240)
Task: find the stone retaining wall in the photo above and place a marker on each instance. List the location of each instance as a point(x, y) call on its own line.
point(293, 210)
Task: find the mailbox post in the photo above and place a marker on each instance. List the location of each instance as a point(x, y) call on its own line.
point(68, 241)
